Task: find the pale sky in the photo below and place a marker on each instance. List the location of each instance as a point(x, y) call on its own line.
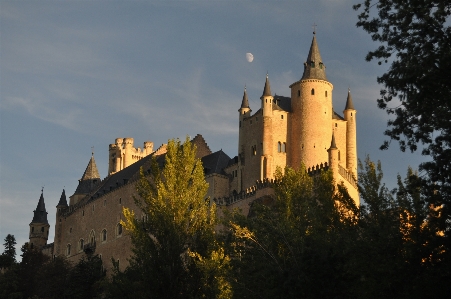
point(78, 74)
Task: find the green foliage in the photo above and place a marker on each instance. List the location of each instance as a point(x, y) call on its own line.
point(8, 256)
point(175, 251)
point(85, 279)
point(288, 248)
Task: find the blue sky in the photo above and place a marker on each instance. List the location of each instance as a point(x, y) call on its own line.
point(77, 74)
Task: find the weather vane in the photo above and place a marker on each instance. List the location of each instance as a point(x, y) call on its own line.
point(92, 150)
point(314, 28)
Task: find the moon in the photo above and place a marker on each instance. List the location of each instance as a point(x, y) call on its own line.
point(249, 57)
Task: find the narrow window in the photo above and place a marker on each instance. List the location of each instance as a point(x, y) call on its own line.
point(68, 249)
point(70, 230)
point(83, 213)
point(42, 229)
point(284, 147)
point(336, 125)
point(312, 63)
point(279, 147)
point(326, 93)
point(119, 229)
point(313, 91)
point(120, 200)
point(32, 229)
point(281, 116)
point(104, 203)
point(338, 155)
point(299, 93)
point(81, 244)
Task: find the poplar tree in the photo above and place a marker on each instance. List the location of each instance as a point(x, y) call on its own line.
point(175, 250)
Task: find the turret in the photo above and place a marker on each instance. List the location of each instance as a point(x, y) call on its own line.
point(311, 106)
point(127, 155)
point(60, 207)
point(148, 147)
point(39, 226)
point(266, 163)
point(267, 99)
point(351, 135)
point(333, 157)
point(244, 111)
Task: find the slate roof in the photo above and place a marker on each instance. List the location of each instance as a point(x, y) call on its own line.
point(91, 171)
point(63, 200)
point(215, 162)
point(89, 179)
point(349, 104)
point(267, 89)
point(314, 67)
point(335, 115)
point(333, 145)
point(40, 214)
point(282, 103)
point(245, 101)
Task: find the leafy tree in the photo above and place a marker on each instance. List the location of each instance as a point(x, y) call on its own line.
point(415, 36)
point(297, 245)
point(85, 279)
point(175, 250)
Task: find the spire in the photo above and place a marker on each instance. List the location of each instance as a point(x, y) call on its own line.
point(40, 214)
point(91, 171)
point(349, 104)
point(314, 67)
point(267, 90)
point(333, 145)
point(245, 101)
point(63, 201)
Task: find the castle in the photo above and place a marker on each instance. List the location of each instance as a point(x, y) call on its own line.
point(284, 131)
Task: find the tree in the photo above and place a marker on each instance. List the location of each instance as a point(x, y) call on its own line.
point(175, 250)
point(8, 257)
point(297, 245)
point(415, 36)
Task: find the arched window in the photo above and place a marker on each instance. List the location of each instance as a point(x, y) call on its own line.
point(92, 237)
point(81, 243)
point(68, 249)
point(104, 235)
point(284, 147)
point(279, 147)
point(119, 229)
point(313, 91)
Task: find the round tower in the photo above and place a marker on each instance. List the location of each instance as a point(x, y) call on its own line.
point(351, 135)
point(333, 157)
point(39, 226)
point(244, 111)
point(128, 147)
point(266, 169)
point(148, 147)
point(60, 208)
point(311, 106)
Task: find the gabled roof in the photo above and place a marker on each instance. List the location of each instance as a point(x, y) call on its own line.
point(314, 67)
point(215, 162)
point(40, 214)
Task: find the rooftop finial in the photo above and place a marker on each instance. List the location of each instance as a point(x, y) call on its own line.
point(314, 28)
point(92, 150)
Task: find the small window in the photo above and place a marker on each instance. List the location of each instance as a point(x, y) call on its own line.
point(338, 155)
point(104, 203)
point(83, 213)
point(32, 229)
point(81, 243)
point(299, 93)
point(326, 93)
point(120, 200)
point(313, 91)
point(68, 249)
point(42, 229)
point(93, 208)
point(336, 125)
point(281, 116)
point(284, 147)
point(70, 230)
point(279, 147)
point(104, 235)
point(312, 63)
point(119, 229)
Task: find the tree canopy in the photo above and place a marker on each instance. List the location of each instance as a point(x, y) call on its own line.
point(176, 253)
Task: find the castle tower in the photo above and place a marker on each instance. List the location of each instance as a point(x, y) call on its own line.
point(245, 111)
point(60, 207)
point(128, 150)
point(39, 226)
point(311, 119)
point(266, 166)
point(87, 182)
point(351, 135)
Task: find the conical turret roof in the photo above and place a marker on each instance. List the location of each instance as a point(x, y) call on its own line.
point(267, 89)
point(245, 101)
point(314, 67)
point(91, 171)
point(63, 200)
point(333, 145)
point(40, 214)
point(349, 104)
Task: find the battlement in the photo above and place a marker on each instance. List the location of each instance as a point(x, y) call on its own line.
point(348, 176)
point(122, 153)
